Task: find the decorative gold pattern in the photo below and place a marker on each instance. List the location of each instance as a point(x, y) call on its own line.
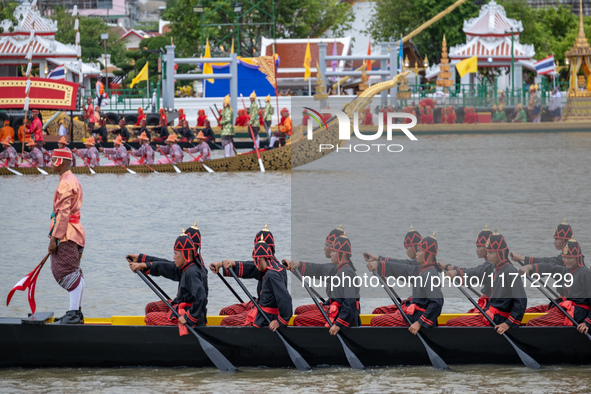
point(16, 102)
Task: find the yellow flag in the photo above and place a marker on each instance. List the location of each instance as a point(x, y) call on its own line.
point(142, 76)
point(307, 61)
point(466, 66)
point(207, 69)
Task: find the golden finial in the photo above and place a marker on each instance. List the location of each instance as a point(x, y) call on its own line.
point(340, 227)
point(486, 228)
point(344, 234)
point(411, 228)
point(572, 239)
point(182, 231)
point(195, 225)
point(495, 232)
point(564, 221)
point(433, 236)
point(266, 229)
point(262, 239)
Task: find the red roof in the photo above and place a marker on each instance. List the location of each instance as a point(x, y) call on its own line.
point(292, 52)
point(27, 18)
point(480, 49)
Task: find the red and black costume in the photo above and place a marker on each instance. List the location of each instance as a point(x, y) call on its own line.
point(342, 305)
point(426, 302)
point(411, 239)
point(236, 309)
point(273, 296)
point(565, 232)
point(191, 298)
point(508, 300)
point(577, 299)
point(482, 271)
point(330, 238)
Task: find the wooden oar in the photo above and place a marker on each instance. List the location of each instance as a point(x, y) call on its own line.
point(527, 360)
point(216, 357)
point(34, 165)
point(436, 360)
point(146, 164)
point(85, 163)
point(120, 165)
point(197, 159)
point(555, 294)
point(557, 305)
point(296, 357)
point(15, 172)
point(230, 287)
point(171, 162)
point(254, 142)
point(354, 362)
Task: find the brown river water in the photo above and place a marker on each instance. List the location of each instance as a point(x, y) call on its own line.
point(524, 184)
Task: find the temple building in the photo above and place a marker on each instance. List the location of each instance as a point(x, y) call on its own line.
point(48, 53)
point(491, 36)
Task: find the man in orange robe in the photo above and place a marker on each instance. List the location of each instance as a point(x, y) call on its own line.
point(66, 235)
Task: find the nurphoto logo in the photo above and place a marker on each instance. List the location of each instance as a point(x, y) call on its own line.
point(345, 130)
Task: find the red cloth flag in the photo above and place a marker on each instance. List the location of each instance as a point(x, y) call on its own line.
point(368, 62)
point(29, 281)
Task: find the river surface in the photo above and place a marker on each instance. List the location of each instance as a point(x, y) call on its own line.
point(524, 184)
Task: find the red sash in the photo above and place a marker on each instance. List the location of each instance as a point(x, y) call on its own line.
point(333, 311)
point(74, 218)
point(183, 330)
point(252, 314)
point(569, 307)
point(411, 309)
point(483, 300)
point(492, 311)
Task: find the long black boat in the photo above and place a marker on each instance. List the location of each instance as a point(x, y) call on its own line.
point(23, 344)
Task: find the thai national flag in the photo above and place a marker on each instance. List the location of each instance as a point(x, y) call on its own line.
point(545, 66)
point(58, 73)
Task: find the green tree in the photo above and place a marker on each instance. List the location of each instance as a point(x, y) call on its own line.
point(90, 36)
point(393, 18)
point(150, 50)
point(550, 29)
point(293, 19)
point(7, 12)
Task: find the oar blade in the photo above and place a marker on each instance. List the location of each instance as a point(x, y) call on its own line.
point(208, 168)
point(526, 359)
point(131, 171)
point(92, 171)
point(296, 357)
point(261, 165)
point(435, 359)
point(15, 172)
point(354, 362)
point(216, 357)
point(177, 169)
point(42, 171)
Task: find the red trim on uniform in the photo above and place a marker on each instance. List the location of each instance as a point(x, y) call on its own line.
point(513, 320)
point(194, 320)
point(302, 268)
point(341, 321)
point(282, 321)
point(187, 266)
point(423, 318)
point(240, 269)
point(530, 260)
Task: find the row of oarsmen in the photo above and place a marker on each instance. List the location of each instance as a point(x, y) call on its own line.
point(504, 304)
point(119, 155)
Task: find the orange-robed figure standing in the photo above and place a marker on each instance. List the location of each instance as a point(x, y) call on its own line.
point(66, 235)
